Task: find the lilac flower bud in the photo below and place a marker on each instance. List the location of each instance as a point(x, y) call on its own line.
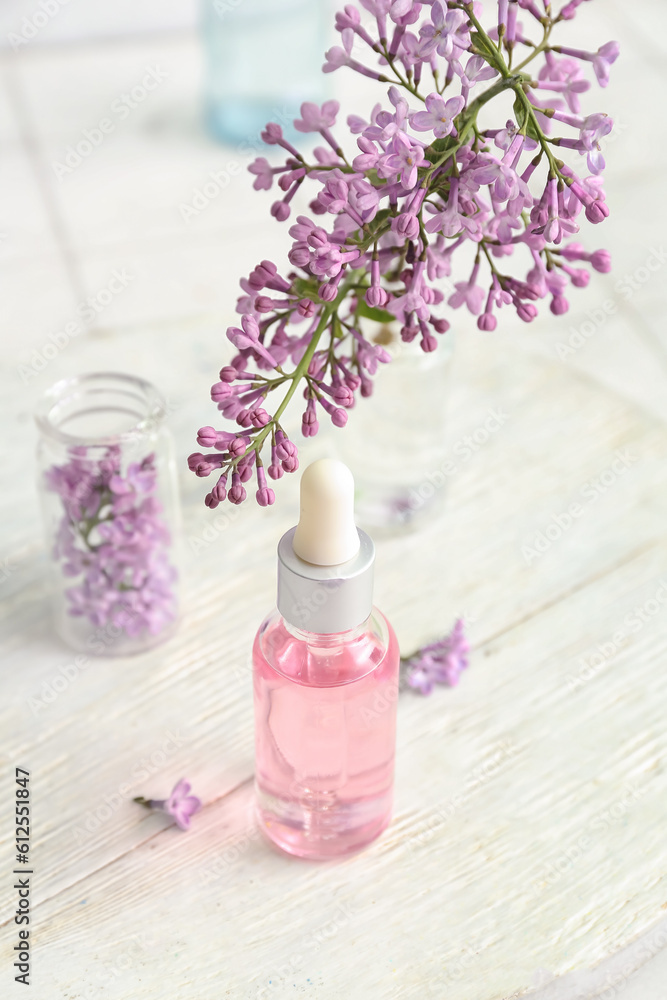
point(578, 276)
point(243, 418)
point(376, 297)
point(262, 275)
point(268, 268)
point(318, 239)
point(275, 470)
point(284, 447)
point(406, 225)
point(280, 210)
point(328, 291)
point(300, 254)
point(211, 501)
point(259, 417)
point(428, 342)
point(255, 283)
point(290, 464)
point(207, 437)
point(338, 415)
point(220, 391)
point(309, 422)
point(264, 304)
point(203, 465)
point(601, 261)
point(236, 494)
point(559, 305)
point(597, 212)
point(244, 472)
point(238, 446)
point(526, 311)
point(439, 325)
point(265, 496)
point(306, 308)
point(219, 491)
point(339, 393)
point(487, 321)
point(228, 374)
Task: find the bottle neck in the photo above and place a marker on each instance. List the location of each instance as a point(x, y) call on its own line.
point(327, 640)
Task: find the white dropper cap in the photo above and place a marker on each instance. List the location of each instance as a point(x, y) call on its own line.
point(326, 534)
point(325, 564)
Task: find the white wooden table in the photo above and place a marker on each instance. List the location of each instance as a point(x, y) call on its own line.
point(529, 832)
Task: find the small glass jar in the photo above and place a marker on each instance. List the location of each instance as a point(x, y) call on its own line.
point(109, 496)
point(264, 58)
point(395, 442)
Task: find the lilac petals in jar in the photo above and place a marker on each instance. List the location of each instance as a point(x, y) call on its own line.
point(109, 495)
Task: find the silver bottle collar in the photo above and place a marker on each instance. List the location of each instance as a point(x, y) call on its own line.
point(325, 599)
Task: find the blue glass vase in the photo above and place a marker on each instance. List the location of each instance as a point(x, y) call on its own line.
point(264, 59)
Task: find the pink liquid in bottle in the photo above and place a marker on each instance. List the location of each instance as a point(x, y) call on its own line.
point(325, 732)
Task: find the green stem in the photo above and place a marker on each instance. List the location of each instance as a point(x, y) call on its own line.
point(494, 269)
point(329, 309)
point(403, 82)
point(544, 44)
point(515, 82)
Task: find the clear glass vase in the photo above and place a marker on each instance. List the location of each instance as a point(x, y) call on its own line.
point(394, 442)
point(264, 58)
point(109, 495)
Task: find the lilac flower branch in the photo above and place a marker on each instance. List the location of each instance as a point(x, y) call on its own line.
point(425, 184)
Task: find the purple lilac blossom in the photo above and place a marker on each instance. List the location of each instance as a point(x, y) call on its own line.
point(180, 805)
point(113, 542)
point(427, 180)
point(440, 662)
